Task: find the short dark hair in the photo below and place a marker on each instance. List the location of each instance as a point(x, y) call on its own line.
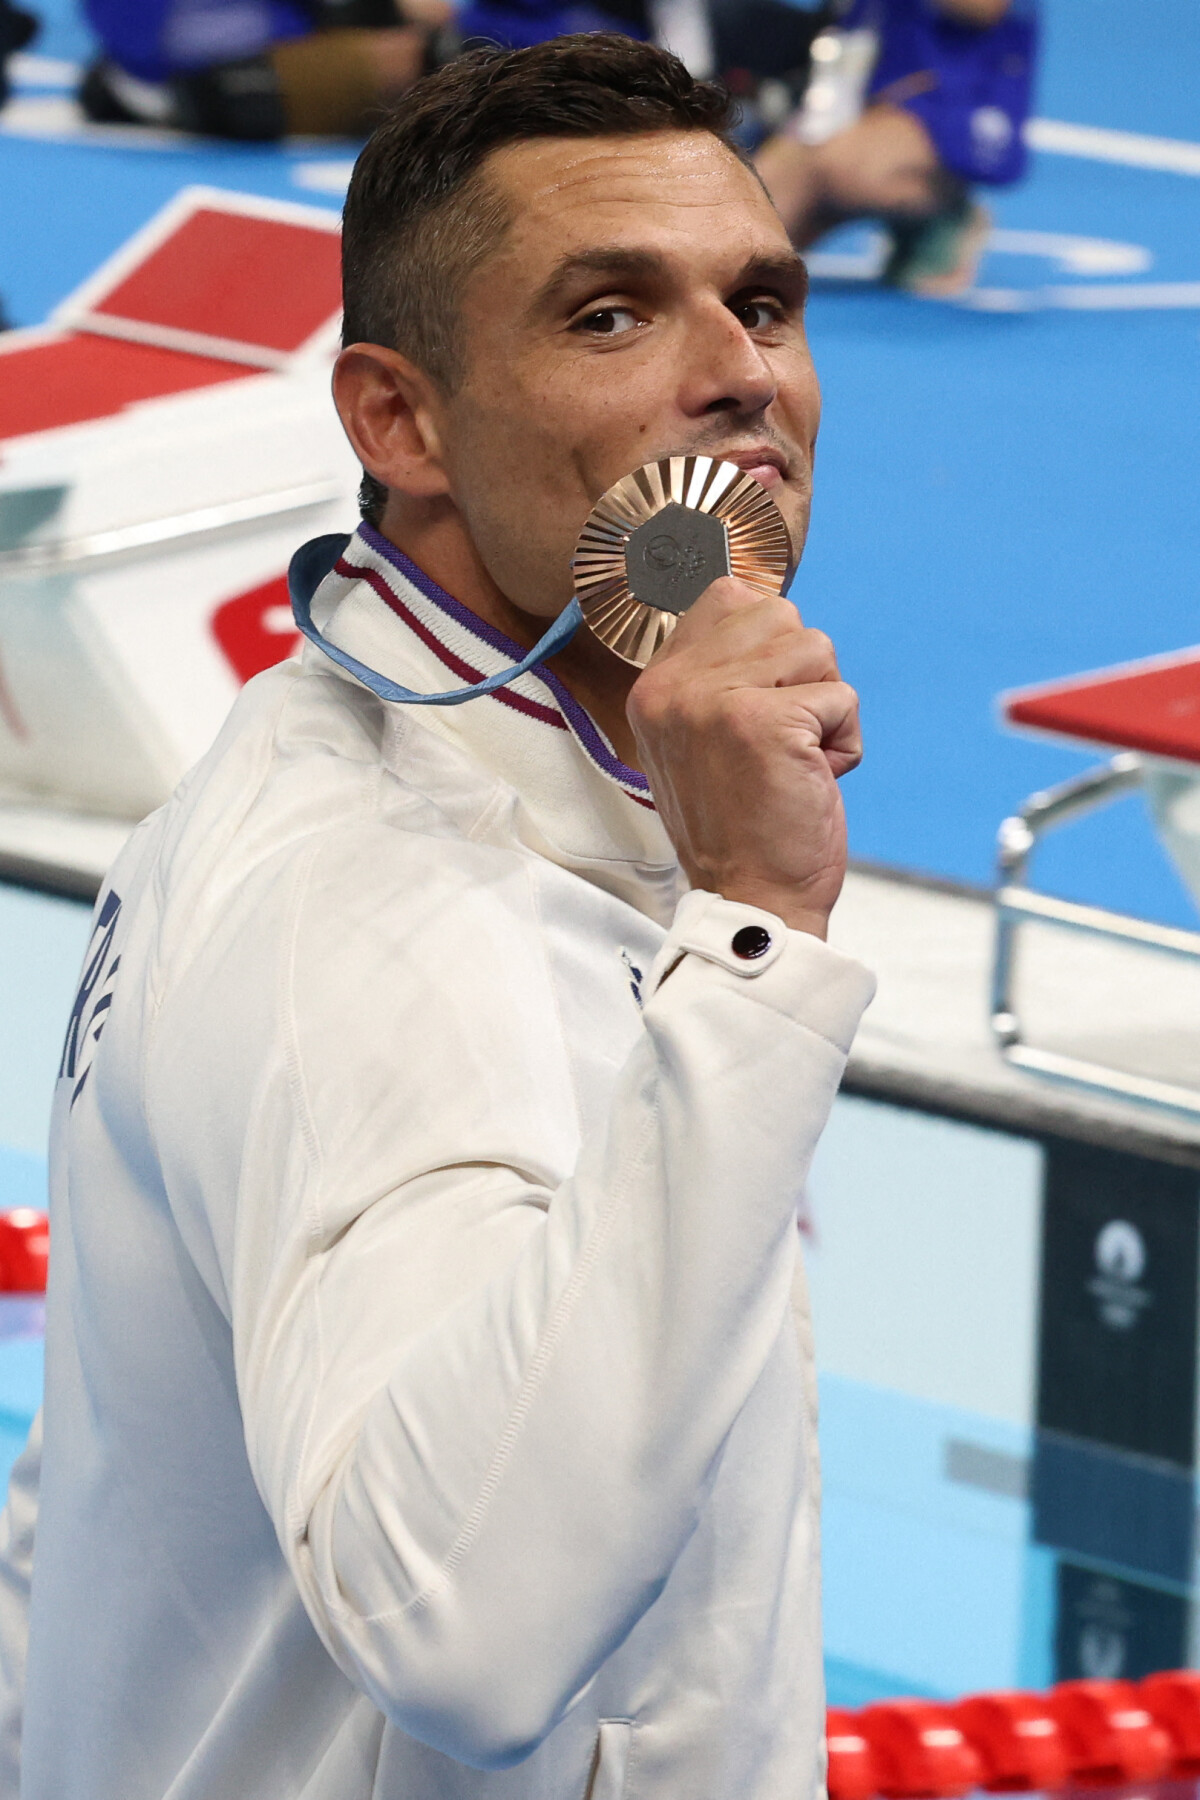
point(420, 216)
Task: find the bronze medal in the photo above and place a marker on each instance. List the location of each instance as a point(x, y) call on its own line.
point(657, 539)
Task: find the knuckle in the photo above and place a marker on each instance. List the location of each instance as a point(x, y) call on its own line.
point(648, 695)
point(725, 595)
point(782, 618)
point(662, 700)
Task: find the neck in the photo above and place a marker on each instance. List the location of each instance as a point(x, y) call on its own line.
point(433, 536)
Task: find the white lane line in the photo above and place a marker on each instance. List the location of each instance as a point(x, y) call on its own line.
point(324, 177)
point(57, 118)
point(1136, 296)
point(1175, 156)
point(1055, 137)
point(1074, 255)
point(42, 71)
point(1152, 296)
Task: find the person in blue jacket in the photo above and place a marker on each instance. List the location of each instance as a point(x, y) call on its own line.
point(913, 104)
point(258, 69)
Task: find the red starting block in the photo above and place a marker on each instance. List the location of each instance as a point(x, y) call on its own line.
point(165, 443)
point(221, 274)
point(1018, 1741)
point(1173, 1701)
point(49, 379)
point(24, 1251)
point(1152, 707)
point(852, 1773)
point(1149, 713)
point(215, 287)
point(1109, 1733)
point(920, 1751)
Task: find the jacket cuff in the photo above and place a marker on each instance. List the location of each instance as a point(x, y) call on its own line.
point(791, 972)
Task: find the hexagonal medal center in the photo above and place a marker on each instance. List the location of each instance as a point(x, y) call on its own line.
point(672, 558)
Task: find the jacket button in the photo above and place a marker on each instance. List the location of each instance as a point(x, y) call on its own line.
point(751, 942)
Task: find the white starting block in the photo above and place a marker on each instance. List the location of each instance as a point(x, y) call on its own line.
point(1150, 713)
point(165, 443)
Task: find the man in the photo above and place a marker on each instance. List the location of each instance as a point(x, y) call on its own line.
point(948, 85)
point(426, 1412)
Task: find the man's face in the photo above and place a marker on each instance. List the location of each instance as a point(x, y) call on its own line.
point(645, 302)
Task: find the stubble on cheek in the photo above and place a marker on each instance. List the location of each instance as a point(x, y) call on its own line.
point(518, 491)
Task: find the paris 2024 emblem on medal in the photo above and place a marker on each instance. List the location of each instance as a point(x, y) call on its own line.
point(658, 537)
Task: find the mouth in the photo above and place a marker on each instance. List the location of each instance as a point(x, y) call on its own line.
point(765, 464)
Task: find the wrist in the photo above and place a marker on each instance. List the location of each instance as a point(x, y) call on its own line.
point(785, 903)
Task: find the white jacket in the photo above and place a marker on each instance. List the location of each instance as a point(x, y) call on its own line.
point(426, 1414)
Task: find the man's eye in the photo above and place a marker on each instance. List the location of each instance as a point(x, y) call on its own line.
point(608, 321)
point(758, 315)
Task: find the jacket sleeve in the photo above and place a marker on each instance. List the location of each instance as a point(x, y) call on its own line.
point(18, 1526)
point(488, 1345)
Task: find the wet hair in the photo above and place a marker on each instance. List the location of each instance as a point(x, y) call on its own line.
point(421, 215)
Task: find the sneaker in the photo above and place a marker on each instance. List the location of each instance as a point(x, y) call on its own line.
point(938, 257)
point(109, 95)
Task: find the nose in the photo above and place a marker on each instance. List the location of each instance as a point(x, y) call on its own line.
point(725, 370)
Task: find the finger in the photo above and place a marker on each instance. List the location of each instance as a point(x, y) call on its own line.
point(719, 601)
point(835, 706)
point(820, 715)
point(781, 656)
point(764, 642)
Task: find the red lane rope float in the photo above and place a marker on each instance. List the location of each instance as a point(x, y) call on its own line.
point(1018, 1739)
point(1109, 1733)
point(24, 1251)
point(853, 1774)
point(1081, 1734)
point(919, 1750)
point(1173, 1701)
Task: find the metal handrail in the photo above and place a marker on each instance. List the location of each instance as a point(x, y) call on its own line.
point(1055, 806)
point(150, 534)
point(1017, 904)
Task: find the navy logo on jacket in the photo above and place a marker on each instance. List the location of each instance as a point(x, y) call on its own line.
point(90, 1011)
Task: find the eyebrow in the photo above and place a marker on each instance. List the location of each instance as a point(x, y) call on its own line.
point(621, 263)
point(786, 268)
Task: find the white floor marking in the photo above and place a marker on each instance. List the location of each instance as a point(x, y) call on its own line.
point(1153, 295)
point(850, 265)
point(28, 115)
point(1175, 156)
point(324, 177)
point(1074, 255)
point(42, 71)
point(58, 116)
point(1146, 296)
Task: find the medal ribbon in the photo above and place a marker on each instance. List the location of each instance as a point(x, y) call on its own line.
point(315, 560)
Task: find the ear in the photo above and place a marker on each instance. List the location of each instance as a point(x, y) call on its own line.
point(390, 410)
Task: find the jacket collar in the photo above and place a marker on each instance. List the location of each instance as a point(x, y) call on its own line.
point(574, 800)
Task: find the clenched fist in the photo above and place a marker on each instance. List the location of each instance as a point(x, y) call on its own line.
point(743, 726)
